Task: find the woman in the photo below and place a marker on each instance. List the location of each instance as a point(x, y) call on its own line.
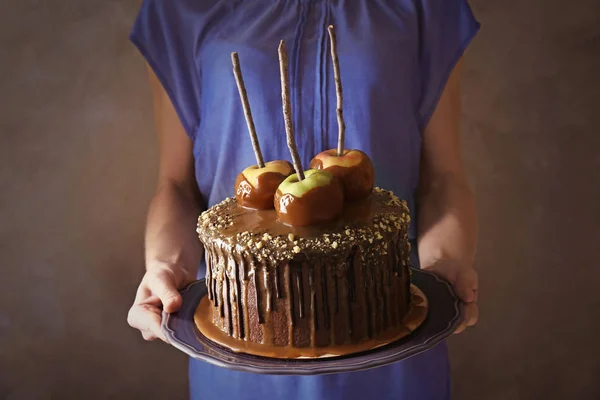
point(400, 66)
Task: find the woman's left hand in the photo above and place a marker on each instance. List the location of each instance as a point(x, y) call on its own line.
point(464, 281)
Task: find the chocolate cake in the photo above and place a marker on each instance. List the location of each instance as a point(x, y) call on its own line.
point(295, 290)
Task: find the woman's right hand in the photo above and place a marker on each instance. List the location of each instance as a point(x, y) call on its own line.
point(158, 291)
point(172, 249)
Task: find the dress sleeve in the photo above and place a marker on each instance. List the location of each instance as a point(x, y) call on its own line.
point(165, 38)
point(447, 28)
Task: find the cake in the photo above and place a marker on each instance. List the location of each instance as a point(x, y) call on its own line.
point(302, 291)
point(306, 263)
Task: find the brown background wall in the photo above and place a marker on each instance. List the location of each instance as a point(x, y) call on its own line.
point(78, 163)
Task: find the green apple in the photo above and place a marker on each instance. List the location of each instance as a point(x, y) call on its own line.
point(318, 198)
point(313, 178)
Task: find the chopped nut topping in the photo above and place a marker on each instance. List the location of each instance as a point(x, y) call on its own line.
point(388, 222)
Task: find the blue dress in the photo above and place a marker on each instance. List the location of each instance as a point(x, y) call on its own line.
point(395, 57)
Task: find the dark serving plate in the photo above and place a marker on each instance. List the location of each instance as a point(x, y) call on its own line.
point(444, 315)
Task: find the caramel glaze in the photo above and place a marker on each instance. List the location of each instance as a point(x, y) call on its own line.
point(357, 180)
point(336, 284)
point(413, 319)
point(318, 205)
point(261, 197)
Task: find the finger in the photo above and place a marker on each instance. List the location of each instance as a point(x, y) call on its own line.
point(469, 314)
point(466, 285)
point(146, 318)
point(162, 284)
point(151, 301)
point(461, 327)
point(473, 314)
point(142, 293)
point(148, 336)
point(472, 278)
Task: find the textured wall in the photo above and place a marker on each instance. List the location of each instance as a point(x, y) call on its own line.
point(78, 163)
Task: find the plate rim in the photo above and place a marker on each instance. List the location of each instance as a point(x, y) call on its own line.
point(312, 366)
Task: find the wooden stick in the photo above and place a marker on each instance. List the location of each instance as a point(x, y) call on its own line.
point(287, 110)
point(237, 71)
point(338, 92)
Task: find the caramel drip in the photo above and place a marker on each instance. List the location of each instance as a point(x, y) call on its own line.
point(267, 298)
point(238, 295)
point(290, 290)
point(277, 283)
point(406, 272)
point(402, 255)
point(369, 314)
point(220, 287)
point(229, 307)
point(400, 252)
point(377, 297)
point(300, 289)
point(350, 274)
point(207, 258)
point(349, 302)
point(245, 282)
point(245, 263)
point(246, 314)
point(214, 289)
point(267, 283)
point(324, 295)
point(336, 305)
point(313, 302)
point(290, 293)
point(393, 287)
point(214, 277)
point(385, 290)
point(261, 318)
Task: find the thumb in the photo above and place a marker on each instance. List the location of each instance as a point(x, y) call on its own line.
point(162, 285)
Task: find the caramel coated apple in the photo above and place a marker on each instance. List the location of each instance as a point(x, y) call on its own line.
point(354, 169)
point(318, 198)
point(255, 187)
